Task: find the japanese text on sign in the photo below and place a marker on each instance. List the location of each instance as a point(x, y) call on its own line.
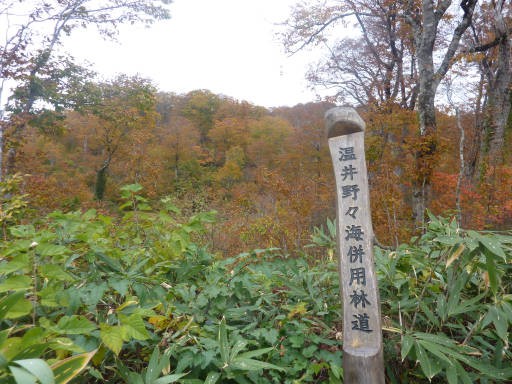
point(354, 236)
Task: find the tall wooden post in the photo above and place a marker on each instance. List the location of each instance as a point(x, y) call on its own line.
point(362, 334)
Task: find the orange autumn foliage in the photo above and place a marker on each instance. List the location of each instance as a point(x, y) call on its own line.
point(267, 173)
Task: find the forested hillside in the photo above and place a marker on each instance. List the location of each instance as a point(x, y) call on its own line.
point(435, 140)
point(267, 172)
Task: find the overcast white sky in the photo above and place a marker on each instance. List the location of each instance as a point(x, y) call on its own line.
point(226, 46)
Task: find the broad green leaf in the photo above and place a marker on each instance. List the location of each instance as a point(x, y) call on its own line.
point(4, 335)
point(492, 245)
point(223, 341)
point(451, 374)
point(407, 343)
point(255, 353)
point(447, 240)
point(67, 369)
point(112, 337)
point(55, 273)
point(442, 306)
point(449, 348)
point(21, 376)
point(455, 288)
point(52, 296)
point(169, 378)
point(507, 309)
point(39, 368)
point(16, 283)
point(120, 285)
point(440, 339)
point(499, 352)
point(425, 363)
point(133, 188)
point(252, 365)
point(489, 317)
point(74, 325)
point(134, 378)
point(237, 348)
point(144, 207)
point(501, 324)
point(32, 345)
point(94, 294)
point(16, 264)
point(309, 352)
point(156, 364)
point(492, 272)
point(64, 344)
point(3, 362)
point(461, 372)
point(435, 350)
point(242, 380)
point(19, 248)
point(212, 378)
point(22, 308)
point(465, 306)
point(10, 347)
point(23, 231)
point(430, 316)
point(51, 250)
point(134, 326)
point(154, 367)
point(112, 263)
point(8, 302)
point(29, 351)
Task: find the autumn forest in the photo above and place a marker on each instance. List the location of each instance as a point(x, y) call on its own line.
point(432, 82)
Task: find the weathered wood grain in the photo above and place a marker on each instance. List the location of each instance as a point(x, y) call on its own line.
point(362, 334)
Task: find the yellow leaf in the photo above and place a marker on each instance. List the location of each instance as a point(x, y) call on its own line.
point(298, 310)
point(455, 255)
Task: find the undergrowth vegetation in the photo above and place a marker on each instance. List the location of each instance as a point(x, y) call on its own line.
point(138, 299)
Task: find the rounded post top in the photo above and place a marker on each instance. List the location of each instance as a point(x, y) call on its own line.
point(340, 121)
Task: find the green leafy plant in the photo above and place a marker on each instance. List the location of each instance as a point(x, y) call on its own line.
point(95, 298)
point(448, 298)
point(233, 360)
point(152, 374)
point(83, 285)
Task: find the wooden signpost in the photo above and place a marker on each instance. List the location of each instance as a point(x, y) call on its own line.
point(362, 335)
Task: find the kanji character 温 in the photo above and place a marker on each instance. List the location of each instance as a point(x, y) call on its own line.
point(347, 154)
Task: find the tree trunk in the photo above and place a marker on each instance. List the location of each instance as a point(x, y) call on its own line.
point(425, 25)
point(473, 147)
point(492, 117)
point(498, 94)
point(460, 178)
point(10, 166)
point(101, 180)
point(426, 146)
